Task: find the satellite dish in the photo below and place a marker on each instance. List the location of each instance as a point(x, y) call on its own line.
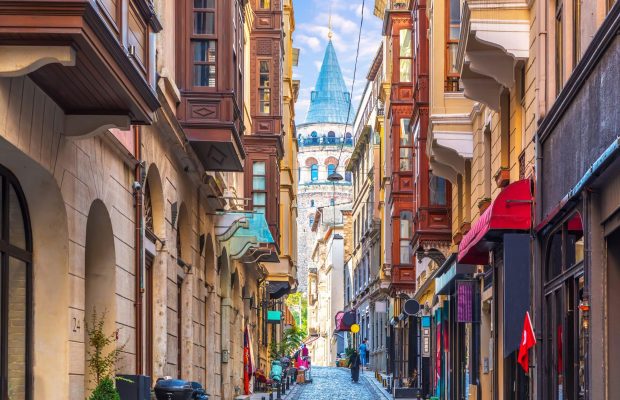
point(349, 318)
point(411, 307)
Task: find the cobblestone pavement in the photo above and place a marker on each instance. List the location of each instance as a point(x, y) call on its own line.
point(335, 384)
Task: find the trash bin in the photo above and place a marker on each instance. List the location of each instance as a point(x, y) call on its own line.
point(173, 389)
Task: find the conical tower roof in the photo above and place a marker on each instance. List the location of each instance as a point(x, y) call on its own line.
point(330, 100)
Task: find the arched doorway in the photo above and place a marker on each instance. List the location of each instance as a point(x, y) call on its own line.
point(100, 276)
point(16, 290)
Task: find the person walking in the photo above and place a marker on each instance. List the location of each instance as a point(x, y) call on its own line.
point(363, 353)
point(354, 364)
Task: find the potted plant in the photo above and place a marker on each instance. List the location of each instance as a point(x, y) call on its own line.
point(101, 359)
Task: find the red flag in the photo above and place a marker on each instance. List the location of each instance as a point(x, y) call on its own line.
point(528, 340)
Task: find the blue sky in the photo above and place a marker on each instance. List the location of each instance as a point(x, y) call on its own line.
point(311, 18)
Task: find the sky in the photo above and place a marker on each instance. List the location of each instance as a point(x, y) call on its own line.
point(311, 37)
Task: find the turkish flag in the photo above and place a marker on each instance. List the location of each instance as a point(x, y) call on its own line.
point(528, 340)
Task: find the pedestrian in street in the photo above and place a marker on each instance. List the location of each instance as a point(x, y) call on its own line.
point(363, 352)
point(354, 364)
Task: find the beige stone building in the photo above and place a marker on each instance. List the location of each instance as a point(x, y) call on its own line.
point(121, 190)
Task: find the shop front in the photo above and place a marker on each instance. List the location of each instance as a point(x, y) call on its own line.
point(577, 278)
point(456, 322)
point(500, 243)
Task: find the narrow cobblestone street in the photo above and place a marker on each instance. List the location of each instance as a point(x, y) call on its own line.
point(335, 384)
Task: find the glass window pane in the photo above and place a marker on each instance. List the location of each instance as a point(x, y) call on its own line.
point(258, 183)
point(204, 75)
point(204, 23)
point(405, 134)
point(259, 168)
point(405, 43)
point(17, 230)
point(264, 67)
point(554, 256)
point(204, 51)
point(204, 3)
point(259, 199)
point(438, 191)
point(405, 70)
point(260, 209)
point(405, 159)
point(455, 19)
point(405, 254)
point(16, 354)
point(314, 172)
point(574, 251)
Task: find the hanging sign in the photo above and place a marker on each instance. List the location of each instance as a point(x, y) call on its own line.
point(274, 317)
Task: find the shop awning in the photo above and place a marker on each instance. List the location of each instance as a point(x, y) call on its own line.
point(278, 289)
point(511, 211)
point(444, 283)
point(344, 320)
point(244, 234)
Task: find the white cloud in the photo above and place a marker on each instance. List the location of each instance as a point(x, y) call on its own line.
point(310, 41)
point(312, 22)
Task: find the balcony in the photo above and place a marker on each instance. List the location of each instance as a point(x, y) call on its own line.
point(325, 141)
point(493, 39)
point(94, 59)
point(450, 143)
point(399, 5)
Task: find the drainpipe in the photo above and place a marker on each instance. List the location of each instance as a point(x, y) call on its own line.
point(139, 245)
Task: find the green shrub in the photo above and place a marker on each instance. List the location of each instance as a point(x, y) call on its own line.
point(105, 390)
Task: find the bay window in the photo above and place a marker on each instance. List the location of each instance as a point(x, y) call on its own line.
point(406, 146)
point(203, 43)
point(405, 55)
point(438, 193)
point(406, 234)
point(259, 187)
point(453, 16)
point(264, 88)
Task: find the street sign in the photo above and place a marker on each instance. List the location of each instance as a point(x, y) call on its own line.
point(411, 307)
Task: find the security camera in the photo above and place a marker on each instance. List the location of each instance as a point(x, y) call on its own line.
point(136, 186)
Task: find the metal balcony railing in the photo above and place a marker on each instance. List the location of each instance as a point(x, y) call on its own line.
point(325, 141)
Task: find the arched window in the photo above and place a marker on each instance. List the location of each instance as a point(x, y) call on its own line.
point(348, 138)
point(16, 295)
point(148, 208)
point(331, 168)
point(311, 203)
point(314, 136)
point(332, 201)
point(331, 137)
point(314, 172)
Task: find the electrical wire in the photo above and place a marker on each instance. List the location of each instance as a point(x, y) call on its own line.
point(357, 53)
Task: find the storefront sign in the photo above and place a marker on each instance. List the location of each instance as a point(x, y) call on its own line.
point(274, 317)
point(465, 301)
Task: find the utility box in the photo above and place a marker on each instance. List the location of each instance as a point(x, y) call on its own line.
point(134, 387)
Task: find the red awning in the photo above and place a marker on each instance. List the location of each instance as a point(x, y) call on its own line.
point(344, 320)
point(510, 211)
